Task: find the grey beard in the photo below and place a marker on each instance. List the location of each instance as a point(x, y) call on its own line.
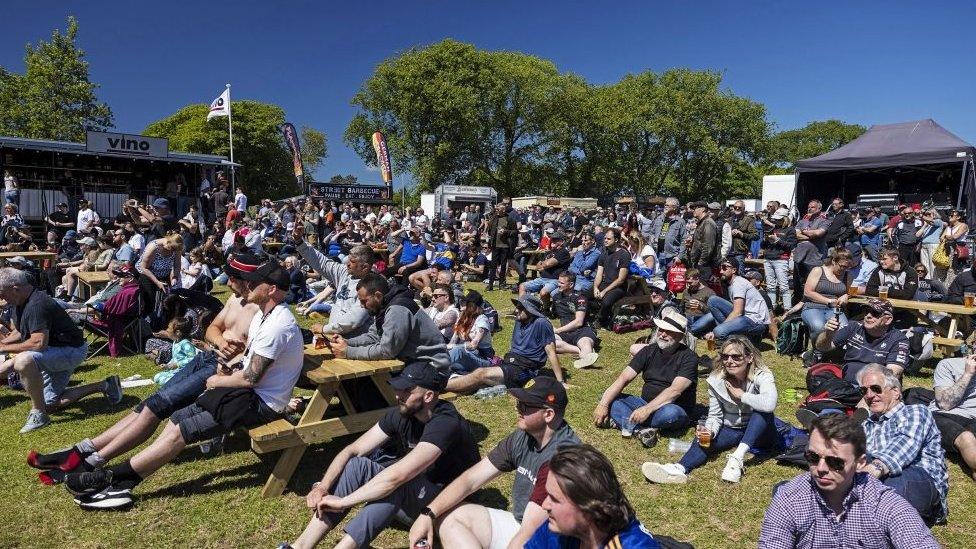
point(666, 346)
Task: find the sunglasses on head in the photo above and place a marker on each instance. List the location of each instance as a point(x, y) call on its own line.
point(876, 389)
point(834, 463)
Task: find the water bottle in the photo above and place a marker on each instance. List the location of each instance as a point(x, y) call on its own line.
point(676, 446)
point(491, 392)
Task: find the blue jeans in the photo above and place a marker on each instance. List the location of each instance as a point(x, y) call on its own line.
point(778, 278)
point(583, 284)
point(718, 310)
point(918, 488)
point(464, 361)
point(12, 197)
point(56, 365)
point(816, 317)
point(321, 307)
point(183, 388)
point(760, 434)
point(667, 417)
point(536, 285)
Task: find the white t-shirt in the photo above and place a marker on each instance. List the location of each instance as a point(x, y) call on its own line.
point(481, 322)
point(240, 201)
point(84, 218)
point(755, 306)
point(137, 242)
point(437, 316)
point(228, 239)
point(10, 183)
point(644, 253)
point(277, 337)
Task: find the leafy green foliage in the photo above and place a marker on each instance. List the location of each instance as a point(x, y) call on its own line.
point(814, 139)
point(258, 145)
point(54, 98)
point(314, 149)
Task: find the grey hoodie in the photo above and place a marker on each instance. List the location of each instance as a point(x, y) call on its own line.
point(348, 318)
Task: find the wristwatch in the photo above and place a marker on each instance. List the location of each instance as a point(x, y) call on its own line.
point(429, 513)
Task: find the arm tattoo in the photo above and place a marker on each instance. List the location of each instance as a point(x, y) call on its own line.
point(949, 397)
point(256, 368)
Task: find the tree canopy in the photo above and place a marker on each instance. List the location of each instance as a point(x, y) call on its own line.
point(258, 144)
point(54, 98)
point(814, 139)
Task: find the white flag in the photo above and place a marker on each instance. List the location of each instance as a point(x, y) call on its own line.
point(220, 106)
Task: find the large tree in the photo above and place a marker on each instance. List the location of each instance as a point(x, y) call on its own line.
point(258, 144)
point(54, 98)
point(814, 139)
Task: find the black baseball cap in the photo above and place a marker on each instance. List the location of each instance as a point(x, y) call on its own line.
point(257, 268)
point(542, 391)
point(419, 374)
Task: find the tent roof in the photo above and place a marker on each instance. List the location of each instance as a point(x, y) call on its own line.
point(891, 145)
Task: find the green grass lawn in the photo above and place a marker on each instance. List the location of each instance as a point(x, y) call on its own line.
point(215, 502)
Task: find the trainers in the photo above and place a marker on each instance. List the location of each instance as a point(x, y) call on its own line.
point(88, 482)
point(108, 498)
point(585, 361)
point(65, 460)
point(733, 469)
point(113, 389)
point(35, 420)
point(647, 436)
point(672, 473)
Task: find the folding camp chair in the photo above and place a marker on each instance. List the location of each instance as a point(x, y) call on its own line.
point(132, 333)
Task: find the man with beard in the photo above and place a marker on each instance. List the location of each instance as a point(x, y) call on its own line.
point(743, 229)
point(612, 271)
point(247, 396)
point(841, 228)
point(224, 340)
point(746, 314)
point(669, 370)
point(669, 232)
point(433, 445)
point(837, 503)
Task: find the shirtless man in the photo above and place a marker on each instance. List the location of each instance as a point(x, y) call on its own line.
point(225, 339)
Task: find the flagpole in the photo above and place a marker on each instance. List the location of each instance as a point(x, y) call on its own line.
point(230, 131)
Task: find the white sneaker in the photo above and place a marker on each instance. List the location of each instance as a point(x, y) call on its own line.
point(585, 361)
point(672, 473)
point(733, 469)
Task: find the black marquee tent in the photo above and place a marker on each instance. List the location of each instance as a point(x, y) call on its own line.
point(918, 161)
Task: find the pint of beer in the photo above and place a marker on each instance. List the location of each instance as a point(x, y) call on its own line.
point(883, 292)
point(968, 298)
point(703, 434)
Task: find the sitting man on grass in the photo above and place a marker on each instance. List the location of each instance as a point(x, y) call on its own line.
point(669, 370)
point(954, 407)
point(747, 314)
point(541, 430)
point(434, 446)
point(245, 397)
point(225, 339)
point(870, 341)
point(574, 335)
point(533, 343)
point(903, 445)
point(49, 347)
point(554, 262)
point(837, 503)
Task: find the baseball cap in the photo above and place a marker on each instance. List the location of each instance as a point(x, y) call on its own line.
point(880, 306)
point(542, 391)
point(781, 213)
point(249, 266)
point(71, 233)
point(419, 374)
point(62, 204)
point(89, 241)
point(558, 235)
point(714, 206)
point(160, 203)
point(658, 284)
point(753, 274)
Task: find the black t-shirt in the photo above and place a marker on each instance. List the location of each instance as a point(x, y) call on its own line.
point(58, 216)
point(162, 226)
point(40, 313)
point(446, 429)
point(563, 259)
point(565, 306)
point(659, 369)
point(612, 263)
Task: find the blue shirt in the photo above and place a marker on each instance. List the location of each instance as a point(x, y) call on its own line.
point(124, 253)
point(530, 340)
point(411, 252)
point(585, 260)
point(873, 239)
point(863, 272)
point(633, 536)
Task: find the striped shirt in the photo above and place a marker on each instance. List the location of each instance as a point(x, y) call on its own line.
point(907, 435)
point(873, 516)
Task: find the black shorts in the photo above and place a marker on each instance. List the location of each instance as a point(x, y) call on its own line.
point(951, 426)
point(573, 337)
point(517, 371)
point(197, 424)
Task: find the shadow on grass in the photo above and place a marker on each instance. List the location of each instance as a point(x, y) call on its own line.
point(94, 405)
point(253, 474)
point(11, 398)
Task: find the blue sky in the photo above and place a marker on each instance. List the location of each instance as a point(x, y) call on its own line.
point(863, 62)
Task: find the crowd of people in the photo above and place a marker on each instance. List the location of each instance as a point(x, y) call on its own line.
point(384, 283)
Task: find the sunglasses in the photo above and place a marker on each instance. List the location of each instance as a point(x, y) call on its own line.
point(526, 409)
point(731, 356)
point(834, 463)
point(876, 389)
point(738, 208)
point(439, 295)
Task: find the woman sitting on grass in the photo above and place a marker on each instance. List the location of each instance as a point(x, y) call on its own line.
point(741, 400)
point(470, 347)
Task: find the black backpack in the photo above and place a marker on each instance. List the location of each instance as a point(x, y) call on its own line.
point(793, 337)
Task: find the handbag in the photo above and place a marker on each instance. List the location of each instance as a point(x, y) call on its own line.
point(941, 258)
point(962, 250)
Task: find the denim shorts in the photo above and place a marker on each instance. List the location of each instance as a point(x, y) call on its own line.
point(183, 388)
point(536, 285)
point(56, 365)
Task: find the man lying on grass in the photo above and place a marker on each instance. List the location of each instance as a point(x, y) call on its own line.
point(541, 431)
point(256, 394)
point(434, 446)
point(226, 335)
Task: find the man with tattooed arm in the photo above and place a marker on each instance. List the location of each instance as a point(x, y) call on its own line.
point(954, 407)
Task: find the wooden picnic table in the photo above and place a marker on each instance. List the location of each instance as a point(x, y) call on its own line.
point(957, 314)
point(328, 373)
point(92, 281)
point(31, 255)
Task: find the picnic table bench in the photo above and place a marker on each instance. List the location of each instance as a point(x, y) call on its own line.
point(31, 255)
point(90, 282)
point(957, 314)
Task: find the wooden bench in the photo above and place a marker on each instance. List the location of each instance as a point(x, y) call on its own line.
point(92, 281)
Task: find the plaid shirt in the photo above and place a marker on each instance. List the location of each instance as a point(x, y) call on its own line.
point(907, 435)
point(874, 516)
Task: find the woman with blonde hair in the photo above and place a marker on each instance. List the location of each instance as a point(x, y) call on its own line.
point(741, 399)
point(641, 252)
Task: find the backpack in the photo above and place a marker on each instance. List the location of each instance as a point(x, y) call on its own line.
point(825, 382)
point(676, 277)
point(793, 337)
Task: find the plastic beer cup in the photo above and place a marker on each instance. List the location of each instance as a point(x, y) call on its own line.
point(968, 298)
point(703, 434)
point(883, 292)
